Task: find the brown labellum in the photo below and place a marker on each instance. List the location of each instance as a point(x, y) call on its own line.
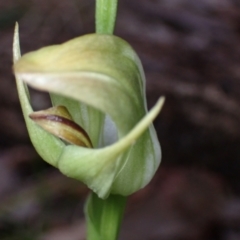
point(58, 121)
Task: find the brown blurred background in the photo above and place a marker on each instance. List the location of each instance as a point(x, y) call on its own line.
point(191, 54)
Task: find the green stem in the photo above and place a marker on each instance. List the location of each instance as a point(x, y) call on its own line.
point(104, 217)
point(106, 11)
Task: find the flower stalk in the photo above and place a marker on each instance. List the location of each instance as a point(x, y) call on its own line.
point(105, 16)
point(104, 217)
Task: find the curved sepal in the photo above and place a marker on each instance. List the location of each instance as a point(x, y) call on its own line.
point(101, 168)
point(47, 146)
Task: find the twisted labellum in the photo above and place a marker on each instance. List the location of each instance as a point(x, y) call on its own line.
point(58, 121)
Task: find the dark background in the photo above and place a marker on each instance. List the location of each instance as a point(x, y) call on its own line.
point(191, 54)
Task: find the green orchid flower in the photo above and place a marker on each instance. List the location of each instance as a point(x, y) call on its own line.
point(99, 130)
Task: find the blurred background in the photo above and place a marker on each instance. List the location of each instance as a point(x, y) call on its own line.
point(190, 51)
